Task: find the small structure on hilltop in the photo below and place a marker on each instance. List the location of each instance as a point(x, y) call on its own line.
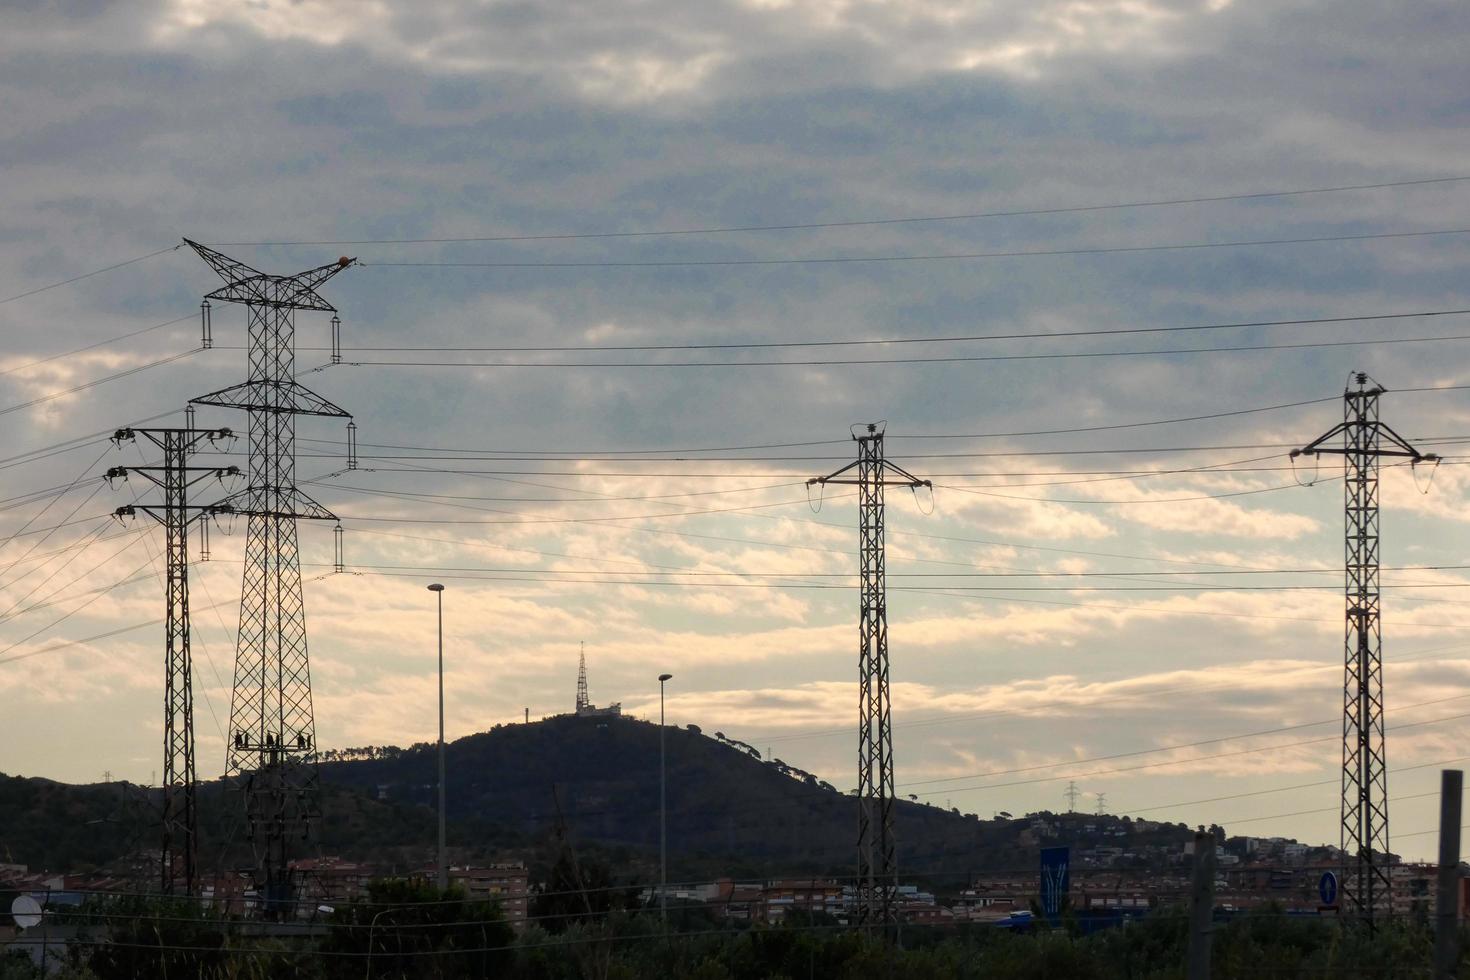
point(585, 707)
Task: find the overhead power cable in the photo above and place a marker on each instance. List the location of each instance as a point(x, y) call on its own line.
point(433, 497)
point(704, 573)
point(1183, 762)
point(555, 577)
point(25, 529)
point(1063, 704)
point(453, 451)
point(1166, 748)
point(1397, 770)
point(567, 520)
point(948, 359)
point(936, 257)
point(90, 439)
point(89, 347)
point(132, 576)
point(88, 275)
point(883, 341)
point(98, 381)
point(865, 222)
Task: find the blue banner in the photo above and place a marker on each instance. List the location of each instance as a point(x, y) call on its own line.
point(1056, 880)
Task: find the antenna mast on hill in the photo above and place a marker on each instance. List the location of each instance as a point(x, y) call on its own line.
point(582, 699)
point(272, 740)
point(1366, 882)
point(877, 872)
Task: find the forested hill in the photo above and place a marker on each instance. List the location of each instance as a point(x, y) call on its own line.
point(726, 807)
point(729, 812)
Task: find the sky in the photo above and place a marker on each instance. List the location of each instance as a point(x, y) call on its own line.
point(616, 261)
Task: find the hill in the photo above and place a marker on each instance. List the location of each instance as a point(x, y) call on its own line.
point(729, 812)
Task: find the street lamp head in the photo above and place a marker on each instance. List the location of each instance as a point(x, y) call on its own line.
point(436, 587)
point(664, 677)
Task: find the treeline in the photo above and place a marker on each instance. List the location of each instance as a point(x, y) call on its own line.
point(599, 932)
point(370, 752)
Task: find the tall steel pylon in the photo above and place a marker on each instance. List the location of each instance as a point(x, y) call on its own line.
point(179, 855)
point(272, 743)
point(877, 868)
point(582, 698)
point(1366, 884)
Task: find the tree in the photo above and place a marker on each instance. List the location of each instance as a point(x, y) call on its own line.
point(411, 929)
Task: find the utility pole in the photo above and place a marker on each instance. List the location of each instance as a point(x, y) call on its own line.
point(1201, 907)
point(1365, 440)
point(179, 854)
point(877, 871)
point(272, 742)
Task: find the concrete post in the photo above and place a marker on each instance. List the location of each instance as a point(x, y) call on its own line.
point(1447, 901)
point(1201, 907)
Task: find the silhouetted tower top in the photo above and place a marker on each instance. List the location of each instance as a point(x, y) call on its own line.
point(583, 701)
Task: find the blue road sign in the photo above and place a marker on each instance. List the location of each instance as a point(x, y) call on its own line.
point(1055, 880)
point(1327, 888)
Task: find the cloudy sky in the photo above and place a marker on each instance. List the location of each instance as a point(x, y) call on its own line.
point(591, 430)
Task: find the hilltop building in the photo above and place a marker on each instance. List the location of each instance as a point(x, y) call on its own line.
point(585, 707)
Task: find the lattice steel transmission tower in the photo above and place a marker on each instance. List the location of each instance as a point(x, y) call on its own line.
point(583, 700)
point(179, 860)
point(1366, 885)
point(877, 871)
point(272, 742)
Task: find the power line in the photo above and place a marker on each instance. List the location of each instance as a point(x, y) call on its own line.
point(861, 223)
point(565, 520)
point(972, 338)
point(454, 452)
point(987, 454)
point(97, 381)
point(91, 439)
point(1062, 704)
point(650, 569)
point(134, 577)
point(856, 259)
point(547, 500)
point(430, 497)
point(87, 275)
point(551, 576)
point(1146, 500)
point(1397, 770)
point(1166, 748)
point(100, 343)
point(1179, 762)
point(955, 359)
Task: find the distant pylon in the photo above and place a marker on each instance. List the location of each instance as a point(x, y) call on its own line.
point(582, 699)
point(1072, 793)
point(877, 870)
point(272, 741)
point(1366, 884)
point(180, 845)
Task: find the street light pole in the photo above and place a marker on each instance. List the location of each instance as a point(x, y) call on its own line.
point(663, 819)
point(443, 867)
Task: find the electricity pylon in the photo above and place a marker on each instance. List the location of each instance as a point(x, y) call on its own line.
point(583, 700)
point(179, 858)
point(272, 741)
point(1366, 884)
point(877, 871)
